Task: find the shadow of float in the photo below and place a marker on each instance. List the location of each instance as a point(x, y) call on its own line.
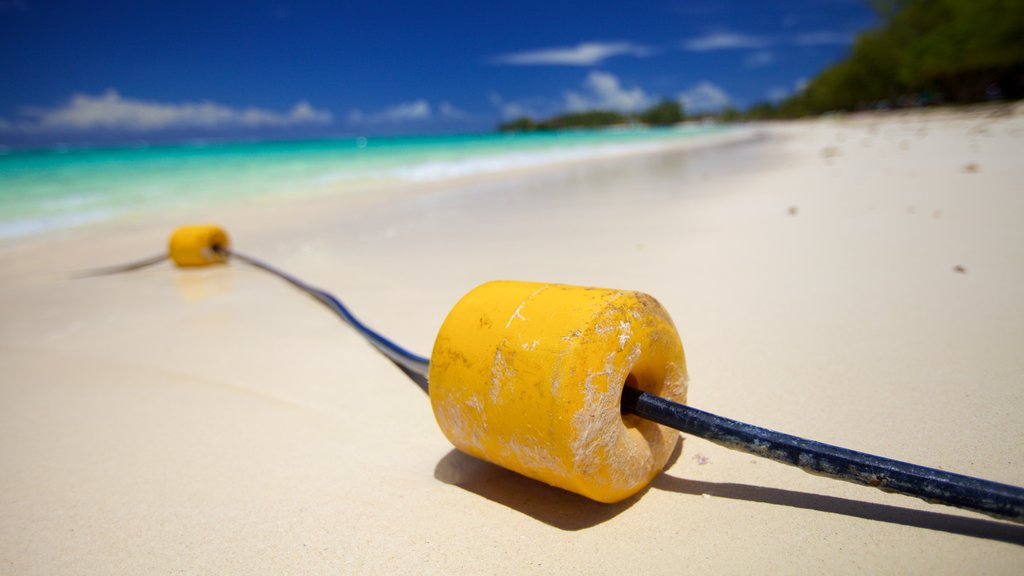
point(973, 527)
point(553, 506)
point(570, 512)
point(550, 505)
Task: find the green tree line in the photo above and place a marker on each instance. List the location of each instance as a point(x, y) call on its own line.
point(664, 113)
point(925, 52)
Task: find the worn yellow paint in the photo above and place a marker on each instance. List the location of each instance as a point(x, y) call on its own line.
point(529, 376)
point(193, 245)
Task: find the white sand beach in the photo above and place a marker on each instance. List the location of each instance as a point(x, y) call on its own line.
point(853, 280)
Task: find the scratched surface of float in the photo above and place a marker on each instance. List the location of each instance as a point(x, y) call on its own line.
point(529, 376)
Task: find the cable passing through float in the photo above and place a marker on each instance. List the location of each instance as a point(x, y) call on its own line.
point(936, 486)
point(585, 388)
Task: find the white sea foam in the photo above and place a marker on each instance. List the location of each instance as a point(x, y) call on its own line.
point(432, 171)
point(28, 226)
point(40, 193)
point(73, 202)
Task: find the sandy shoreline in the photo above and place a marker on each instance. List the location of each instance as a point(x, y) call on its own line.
point(500, 167)
point(856, 281)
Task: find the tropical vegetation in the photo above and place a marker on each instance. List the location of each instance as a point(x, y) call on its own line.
point(664, 113)
point(923, 52)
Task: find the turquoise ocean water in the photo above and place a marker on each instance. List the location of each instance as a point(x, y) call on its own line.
point(46, 189)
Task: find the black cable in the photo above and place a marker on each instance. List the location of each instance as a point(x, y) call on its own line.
point(127, 267)
point(413, 365)
point(932, 485)
point(935, 486)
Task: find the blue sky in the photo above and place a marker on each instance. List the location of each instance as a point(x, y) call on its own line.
point(74, 71)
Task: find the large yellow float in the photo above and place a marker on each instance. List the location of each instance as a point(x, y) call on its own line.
point(530, 377)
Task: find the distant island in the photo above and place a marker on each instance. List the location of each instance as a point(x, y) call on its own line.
point(664, 113)
point(925, 52)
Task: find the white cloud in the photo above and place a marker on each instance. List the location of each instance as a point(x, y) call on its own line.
point(759, 59)
point(448, 110)
point(823, 38)
point(111, 111)
point(511, 110)
point(415, 110)
point(419, 110)
point(516, 110)
point(405, 112)
point(725, 41)
point(777, 94)
point(704, 97)
point(736, 40)
point(780, 93)
point(583, 54)
point(304, 111)
point(603, 90)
